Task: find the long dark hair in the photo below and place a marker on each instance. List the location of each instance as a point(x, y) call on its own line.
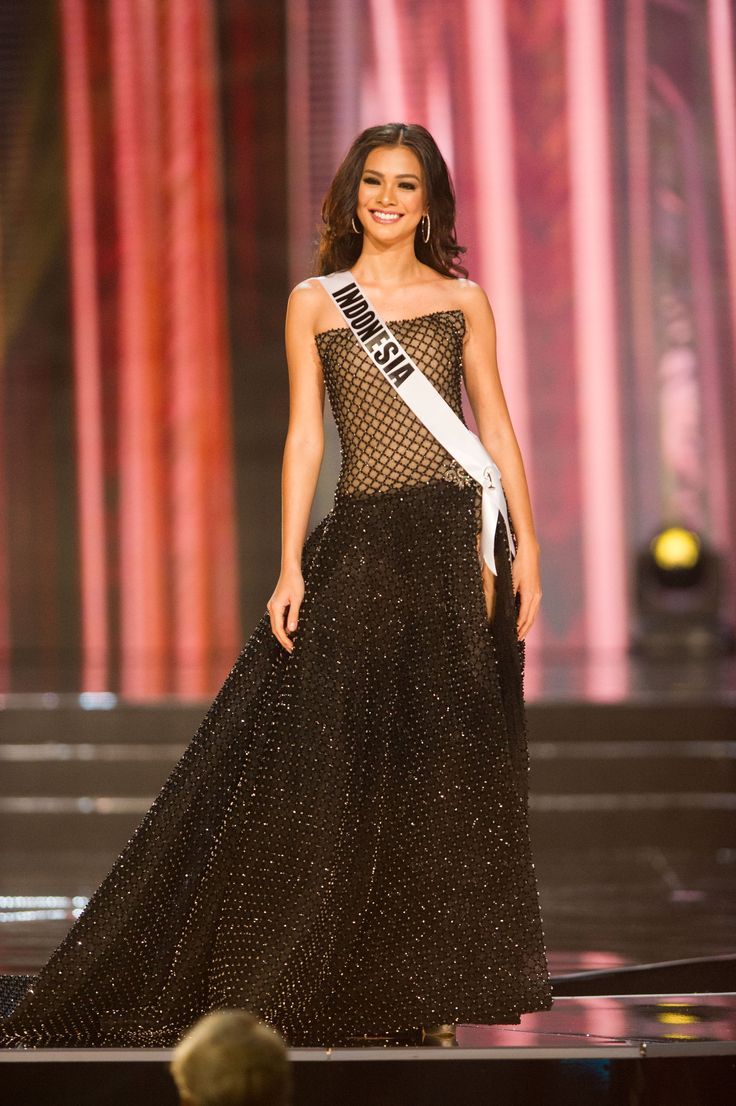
point(339, 246)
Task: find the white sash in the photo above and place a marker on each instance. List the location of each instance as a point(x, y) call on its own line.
point(404, 375)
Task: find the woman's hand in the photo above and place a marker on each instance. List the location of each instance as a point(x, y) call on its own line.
point(287, 594)
point(527, 583)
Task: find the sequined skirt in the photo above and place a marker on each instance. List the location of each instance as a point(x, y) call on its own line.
point(343, 848)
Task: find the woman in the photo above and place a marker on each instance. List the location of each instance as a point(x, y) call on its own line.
point(343, 848)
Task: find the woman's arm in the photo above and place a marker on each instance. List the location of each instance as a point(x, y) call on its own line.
point(302, 459)
point(485, 393)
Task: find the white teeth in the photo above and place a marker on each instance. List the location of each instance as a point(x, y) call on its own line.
point(387, 217)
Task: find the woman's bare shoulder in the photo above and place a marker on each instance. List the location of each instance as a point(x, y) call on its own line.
point(461, 292)
point(305, 301)
point(468, 292)
point(306, 293)
point(472, 300)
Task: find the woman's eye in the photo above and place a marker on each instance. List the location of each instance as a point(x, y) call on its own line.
point(404, 184)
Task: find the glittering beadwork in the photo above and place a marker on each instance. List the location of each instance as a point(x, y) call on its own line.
point(455, 472)
point(343, 847)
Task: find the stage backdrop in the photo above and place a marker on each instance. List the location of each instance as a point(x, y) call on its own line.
point(593, 149)
point(162, 165)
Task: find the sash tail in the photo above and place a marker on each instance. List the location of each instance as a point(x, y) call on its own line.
point(493, 504)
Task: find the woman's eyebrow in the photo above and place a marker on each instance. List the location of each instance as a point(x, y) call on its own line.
point(378, 173)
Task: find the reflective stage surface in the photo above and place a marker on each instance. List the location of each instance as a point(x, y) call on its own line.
point(576, 1027)
point(632, 812)
point(632, 808)
point(655, 1024)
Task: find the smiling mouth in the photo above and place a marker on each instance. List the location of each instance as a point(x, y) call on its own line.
point(386, 217)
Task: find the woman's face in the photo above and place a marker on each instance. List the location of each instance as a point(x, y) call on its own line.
point(391, 194)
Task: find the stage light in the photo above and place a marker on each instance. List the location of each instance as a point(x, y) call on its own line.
point(675, 548)
point(679, 586)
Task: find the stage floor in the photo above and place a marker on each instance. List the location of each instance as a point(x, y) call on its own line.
point(618, 1050)
point(577, 1027)
point(605, 906)
point(632, 805)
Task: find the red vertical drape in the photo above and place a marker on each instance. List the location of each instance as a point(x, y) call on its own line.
point(168, 375)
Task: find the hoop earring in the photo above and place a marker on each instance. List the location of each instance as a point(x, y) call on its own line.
point(352, 223)
point(425, 237)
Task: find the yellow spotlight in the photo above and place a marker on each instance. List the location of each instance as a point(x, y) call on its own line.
point(679, 590)
point(675, 1019)
point(675, 548)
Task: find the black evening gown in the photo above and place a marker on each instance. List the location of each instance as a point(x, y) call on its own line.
point(343, 848)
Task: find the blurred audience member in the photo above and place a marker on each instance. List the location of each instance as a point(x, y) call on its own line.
point(229, 1058)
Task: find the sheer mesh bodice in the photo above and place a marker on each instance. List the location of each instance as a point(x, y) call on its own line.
point(384, 444)
point(343, 848)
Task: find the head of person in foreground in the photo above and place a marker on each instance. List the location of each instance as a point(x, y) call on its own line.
point(229, 1058)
